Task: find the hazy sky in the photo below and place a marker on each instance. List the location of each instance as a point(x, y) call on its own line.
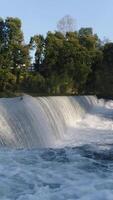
point(40, 16)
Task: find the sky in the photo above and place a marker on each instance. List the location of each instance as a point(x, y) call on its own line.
point(41, 16)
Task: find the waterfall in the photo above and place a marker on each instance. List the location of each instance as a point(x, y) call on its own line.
point(42, 121)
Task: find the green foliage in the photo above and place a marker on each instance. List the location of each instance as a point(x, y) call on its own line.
point(33, 83)
point(104, 74)
point(37, 44)
point(70, 63)
point(66, 63)
point(7, 80)
point(14, 54)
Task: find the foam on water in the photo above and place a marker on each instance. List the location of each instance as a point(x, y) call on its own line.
point(40, 122)
point(84, 173)
point(79, 164)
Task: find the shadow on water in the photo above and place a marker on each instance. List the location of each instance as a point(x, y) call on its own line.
point(95, 152)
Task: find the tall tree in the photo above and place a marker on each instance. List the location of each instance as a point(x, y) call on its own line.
point(37, 44)
point(14, 54)
point(66, 24)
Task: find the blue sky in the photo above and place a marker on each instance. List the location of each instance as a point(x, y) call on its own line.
point(40, 16)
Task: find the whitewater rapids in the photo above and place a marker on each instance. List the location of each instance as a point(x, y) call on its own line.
point(55, 121)
point(56, 148)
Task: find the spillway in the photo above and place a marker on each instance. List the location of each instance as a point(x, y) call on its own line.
point(49, 121)
point(56, 148)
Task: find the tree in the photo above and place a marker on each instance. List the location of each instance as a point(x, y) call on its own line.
point(66, 24)
point(102, 73)
point(14, 34)
point(94, 76)
point(66, 61)
point(14, 54)
point(88, 39)
point(7, 81)
point(105, 83)
point(37, 44)
point(33, 83)
point(85, 32)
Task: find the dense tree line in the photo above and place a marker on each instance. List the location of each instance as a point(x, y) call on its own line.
point(74, 63)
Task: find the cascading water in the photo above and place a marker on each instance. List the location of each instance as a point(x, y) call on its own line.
point(45, 121)
point(79, 162)
point(39, 122)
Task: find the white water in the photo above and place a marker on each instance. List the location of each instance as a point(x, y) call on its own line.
point(54, 121)
point(79, 165)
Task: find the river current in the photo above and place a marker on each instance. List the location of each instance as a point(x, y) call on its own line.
point(59, 149)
